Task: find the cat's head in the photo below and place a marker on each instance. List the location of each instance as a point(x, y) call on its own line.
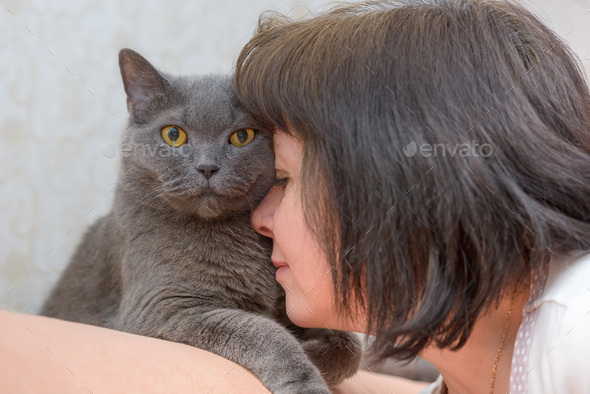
point(189, 145)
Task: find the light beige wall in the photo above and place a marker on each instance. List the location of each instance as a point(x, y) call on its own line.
point(62, 107)
point(570, 19)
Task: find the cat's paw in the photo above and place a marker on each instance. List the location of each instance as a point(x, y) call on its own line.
point(337, 354)
point(318, 387)
point(300, 379)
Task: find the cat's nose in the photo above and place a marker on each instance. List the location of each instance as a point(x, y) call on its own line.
point(208, 169)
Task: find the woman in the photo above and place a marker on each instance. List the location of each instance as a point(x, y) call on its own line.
point(433, 184)
point(433, 174)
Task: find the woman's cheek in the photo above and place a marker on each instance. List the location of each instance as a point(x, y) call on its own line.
point(309, 304)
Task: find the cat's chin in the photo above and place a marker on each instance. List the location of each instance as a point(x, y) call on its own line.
point(206, 206)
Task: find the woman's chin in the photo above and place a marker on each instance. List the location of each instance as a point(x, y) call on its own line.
point(303, 317)
point(281, 273)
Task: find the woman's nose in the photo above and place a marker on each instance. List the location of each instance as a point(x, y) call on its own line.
point(263, 215)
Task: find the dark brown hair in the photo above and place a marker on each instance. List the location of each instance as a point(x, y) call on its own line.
point(428, 238)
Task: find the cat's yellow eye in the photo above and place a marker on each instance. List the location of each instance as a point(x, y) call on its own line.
point(242, 137)
point(173, 135)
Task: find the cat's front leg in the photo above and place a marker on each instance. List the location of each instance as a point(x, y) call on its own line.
point(258, 343)
point(337, 354)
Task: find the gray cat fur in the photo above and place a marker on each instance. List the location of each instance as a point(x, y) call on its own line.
point(176, 258)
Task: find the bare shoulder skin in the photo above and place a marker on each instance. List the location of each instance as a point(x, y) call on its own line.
point(40, 354)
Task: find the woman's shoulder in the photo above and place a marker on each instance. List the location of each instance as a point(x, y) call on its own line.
point(83, 358)
point(568, 282)
point(558, 358)
point(435, 387)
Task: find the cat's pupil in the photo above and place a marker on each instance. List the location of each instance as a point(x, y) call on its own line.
point(173, 134)
point(242, 135)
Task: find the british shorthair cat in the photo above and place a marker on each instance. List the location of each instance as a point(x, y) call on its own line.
point(176, 257)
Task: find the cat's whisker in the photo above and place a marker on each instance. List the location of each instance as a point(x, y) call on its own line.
point(179, 186)
point(182, 190)
point(153, 194)
point(146, 196)
point(250, 203)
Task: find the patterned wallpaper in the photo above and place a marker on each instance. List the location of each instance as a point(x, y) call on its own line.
point(62, 107)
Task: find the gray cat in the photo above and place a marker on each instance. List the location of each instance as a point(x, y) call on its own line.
point(176, 258)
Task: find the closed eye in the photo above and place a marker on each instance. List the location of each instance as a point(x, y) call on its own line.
point(280, 182)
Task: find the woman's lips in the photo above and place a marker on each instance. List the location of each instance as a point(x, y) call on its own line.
point(282, 269)
point(279, 264)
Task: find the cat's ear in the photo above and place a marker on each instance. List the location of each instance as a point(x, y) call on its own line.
point(141, 80)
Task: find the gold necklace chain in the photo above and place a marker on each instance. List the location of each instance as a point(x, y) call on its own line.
point(497, 359)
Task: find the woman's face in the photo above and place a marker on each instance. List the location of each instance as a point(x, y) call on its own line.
point(303, 271)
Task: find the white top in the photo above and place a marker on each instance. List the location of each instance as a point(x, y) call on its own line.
point(552, 348)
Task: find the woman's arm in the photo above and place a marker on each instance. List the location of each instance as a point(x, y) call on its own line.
point(40, 354)
point(375, 383)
